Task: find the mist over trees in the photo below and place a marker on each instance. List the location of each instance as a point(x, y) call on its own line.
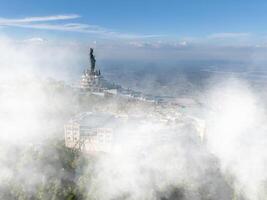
point(168, 162)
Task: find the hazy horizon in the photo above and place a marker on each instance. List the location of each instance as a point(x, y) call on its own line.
point(178, 111)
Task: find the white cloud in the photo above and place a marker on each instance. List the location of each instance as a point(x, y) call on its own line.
point(6, 21)
point(183, 43)
point(42, 24)
point(228, 35)
point(63, 27)
point(35, 40)
point(159, 44)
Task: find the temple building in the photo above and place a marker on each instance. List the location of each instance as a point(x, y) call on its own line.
point(91, 78)
point(92, 81)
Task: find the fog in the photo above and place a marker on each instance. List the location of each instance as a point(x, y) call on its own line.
point(216, 150)
point(237, 135)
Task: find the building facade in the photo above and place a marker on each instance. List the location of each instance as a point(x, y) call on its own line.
point(91, 132)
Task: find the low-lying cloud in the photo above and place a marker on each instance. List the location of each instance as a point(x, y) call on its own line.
point(151, 159)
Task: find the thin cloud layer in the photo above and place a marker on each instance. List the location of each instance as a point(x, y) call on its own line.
point(42, 22)
point(6, 21)
point(228, 35)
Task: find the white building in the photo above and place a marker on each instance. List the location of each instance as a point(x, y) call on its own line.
point(91, 132)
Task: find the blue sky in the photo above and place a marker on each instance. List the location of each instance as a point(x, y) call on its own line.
point(153, 30)
point(166, 19)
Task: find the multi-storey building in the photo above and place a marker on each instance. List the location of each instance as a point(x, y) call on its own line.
point(91, 132)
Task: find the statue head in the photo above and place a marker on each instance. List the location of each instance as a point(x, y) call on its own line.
point(91, 51)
